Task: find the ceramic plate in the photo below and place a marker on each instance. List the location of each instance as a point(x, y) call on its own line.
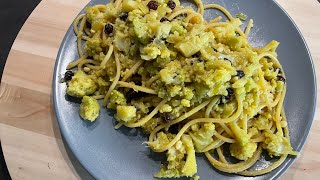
point(111, 154)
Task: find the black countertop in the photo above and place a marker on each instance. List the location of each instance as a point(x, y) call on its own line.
point(13, 14)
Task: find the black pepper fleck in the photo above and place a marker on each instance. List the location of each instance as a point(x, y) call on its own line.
point(153, 5)
point(281, 78)
point(240, 73)
point(171, 4)
point(163, 19)
point(279, 71)
point(108, 29)
point(68, 75)
point(123, 16)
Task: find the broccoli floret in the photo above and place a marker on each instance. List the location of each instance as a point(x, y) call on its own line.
point(81, 85)
point(181, 160)
point(243, 152)
point(276, 144)
point(126, 113)
point(202, 136)
point(89, 108)
point(116, 98)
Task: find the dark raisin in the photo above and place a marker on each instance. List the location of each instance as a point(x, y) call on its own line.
point(163, 19)
point(108, 29)
point(230, 94)
point(123, 16)
point(132, 94)
point(153, 5)
point(281, 78)
point(171, 4)
point(68, 75)
point(174, 129)
point(240, 73)
point(166, 118)
point(257, 115)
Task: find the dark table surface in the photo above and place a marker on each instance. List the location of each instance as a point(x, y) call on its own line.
point(13, 14)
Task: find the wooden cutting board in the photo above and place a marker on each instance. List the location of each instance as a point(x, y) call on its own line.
point(29, 133)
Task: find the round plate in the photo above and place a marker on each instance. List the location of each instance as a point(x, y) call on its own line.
point(119, 154)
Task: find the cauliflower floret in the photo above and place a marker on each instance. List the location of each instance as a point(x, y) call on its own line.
point(241, 136)
point(261, 123)
point(125, 113)
point(81, 85)
point(89, 108)
point(93, 46)
point(151, 51)
point(181, 160)
point(172, 73)
point(243, 152)
point(149, 126)
point(162, 140)
point(202, 136)
point(276, 144)
point(165, 108)
point(116, 98)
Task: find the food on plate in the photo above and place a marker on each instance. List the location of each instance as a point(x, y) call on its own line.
point(195, 86)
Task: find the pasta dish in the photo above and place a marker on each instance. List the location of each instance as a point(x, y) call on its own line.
point(193, 85)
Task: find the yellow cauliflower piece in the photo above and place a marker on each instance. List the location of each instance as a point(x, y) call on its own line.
point(125, 113)
point(81, 85)
point(151, 51)
point(243, 152)
point(89, 108)
point(181, 160)
point(116, 98)
point(241, 136)
point(277, 145)
point(202, 136)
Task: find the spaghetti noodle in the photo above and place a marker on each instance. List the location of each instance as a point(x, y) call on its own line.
point(192, 85)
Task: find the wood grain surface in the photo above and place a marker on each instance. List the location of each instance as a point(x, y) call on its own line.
point(29, 133)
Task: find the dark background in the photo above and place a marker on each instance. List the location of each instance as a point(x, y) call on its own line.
point(13, 14)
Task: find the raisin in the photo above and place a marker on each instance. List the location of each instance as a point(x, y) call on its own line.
point(108, 29)
point(132, 94)
point(230, 94)
point(153, 5)
point(166, 118)
point(123, 16)
point(171, 4)
point(281, 78)
point(240, 74)
point(257, 115)
point(68, 75)
point(163, 19)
